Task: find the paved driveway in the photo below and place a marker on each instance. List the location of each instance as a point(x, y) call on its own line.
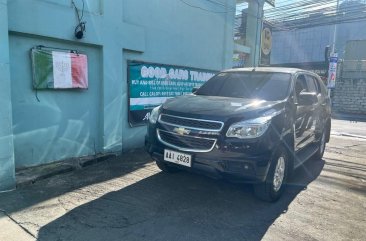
point(127, 198)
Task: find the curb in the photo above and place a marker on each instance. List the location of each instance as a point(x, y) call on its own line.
point(347, 135)
point(28, 176)
point(350, 117)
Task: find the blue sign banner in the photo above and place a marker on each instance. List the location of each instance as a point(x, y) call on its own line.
point(152, 84)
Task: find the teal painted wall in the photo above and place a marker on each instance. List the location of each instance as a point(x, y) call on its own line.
point(178, 34)
point(64, 123)
point(76, 123)
point(7, 171)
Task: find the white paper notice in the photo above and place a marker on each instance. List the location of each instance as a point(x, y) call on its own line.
point(61, 70)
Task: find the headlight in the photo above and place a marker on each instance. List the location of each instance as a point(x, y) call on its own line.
point(249, 128)
point(154, 115)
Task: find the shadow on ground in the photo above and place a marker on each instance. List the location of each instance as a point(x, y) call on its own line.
point(179, 206)
point(55, 186)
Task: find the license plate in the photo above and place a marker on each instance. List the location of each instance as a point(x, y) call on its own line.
point(178, 158)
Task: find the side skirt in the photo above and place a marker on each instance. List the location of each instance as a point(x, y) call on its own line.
point(305, 154)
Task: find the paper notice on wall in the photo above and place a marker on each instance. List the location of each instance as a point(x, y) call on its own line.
point(61, 70)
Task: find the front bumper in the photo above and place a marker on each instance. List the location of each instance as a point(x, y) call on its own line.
point(238, 161)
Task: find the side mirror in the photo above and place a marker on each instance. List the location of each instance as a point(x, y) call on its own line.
point(307, 98)
point(194, 89)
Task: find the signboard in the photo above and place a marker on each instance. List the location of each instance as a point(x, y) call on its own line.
point(266, 45)
point(332, 73)
point(151, 84)
point(58, 69)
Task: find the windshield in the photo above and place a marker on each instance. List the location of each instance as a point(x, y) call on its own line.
point(251, 85)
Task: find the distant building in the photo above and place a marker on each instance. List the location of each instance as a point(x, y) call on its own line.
point(302, 42)
point(304, 46)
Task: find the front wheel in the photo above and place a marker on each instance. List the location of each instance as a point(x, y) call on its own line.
point(273, 187)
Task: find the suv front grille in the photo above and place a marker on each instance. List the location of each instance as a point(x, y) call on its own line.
point(186, 143)
point(205, 125)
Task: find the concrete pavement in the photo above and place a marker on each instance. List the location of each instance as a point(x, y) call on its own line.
point(127, 198)
point(349, 128)
point(12, 231)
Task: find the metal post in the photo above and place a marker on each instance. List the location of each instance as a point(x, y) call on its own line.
point(334, 41)
point(335, 29)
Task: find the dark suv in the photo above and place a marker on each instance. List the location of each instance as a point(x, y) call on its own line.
point(252, 124)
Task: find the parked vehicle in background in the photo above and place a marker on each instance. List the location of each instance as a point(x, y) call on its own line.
point(252, 124)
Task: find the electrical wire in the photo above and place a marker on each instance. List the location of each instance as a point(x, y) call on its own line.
point(201, 8)
point(290, 15)
point(80, 28)
point(307, 7)
point(311, 13)
point(319, 20)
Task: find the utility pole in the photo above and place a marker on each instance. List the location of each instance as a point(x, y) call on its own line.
point(253, 32)
point(335, 29)
point(333, 52)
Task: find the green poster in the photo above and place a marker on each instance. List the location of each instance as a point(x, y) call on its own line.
point(151, 84)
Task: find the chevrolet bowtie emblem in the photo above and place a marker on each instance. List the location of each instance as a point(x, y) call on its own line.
point(181, 131)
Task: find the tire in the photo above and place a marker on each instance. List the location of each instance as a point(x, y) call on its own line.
point(273, 187)
point(166, 168)
point(321, 147)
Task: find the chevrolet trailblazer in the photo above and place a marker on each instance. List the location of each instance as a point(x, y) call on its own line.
point(251, 124)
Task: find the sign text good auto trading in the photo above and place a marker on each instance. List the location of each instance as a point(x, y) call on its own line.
point(151, 84)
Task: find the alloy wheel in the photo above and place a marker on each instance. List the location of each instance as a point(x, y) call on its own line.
point(279, 174)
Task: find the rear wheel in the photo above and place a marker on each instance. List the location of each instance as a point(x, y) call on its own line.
point(321, 148)
point(165, 167)
point(273, 187)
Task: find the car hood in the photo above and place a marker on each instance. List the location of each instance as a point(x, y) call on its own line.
point(216, 106)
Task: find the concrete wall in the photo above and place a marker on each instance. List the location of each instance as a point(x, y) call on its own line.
point(69, 123)
point(350, 90)
point(7, 171)
point(350, 96)
point(300, 46)
point(308, 45)
point(355, 50)
point(179, 35)
point(62, 124)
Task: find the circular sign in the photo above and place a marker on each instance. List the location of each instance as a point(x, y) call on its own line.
point(266, 42)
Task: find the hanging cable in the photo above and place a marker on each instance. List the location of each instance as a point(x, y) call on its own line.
point(80, 28)
point(201, 8)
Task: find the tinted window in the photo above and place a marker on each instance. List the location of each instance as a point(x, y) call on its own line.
point(321, 87)
point(311, 84)
point(258, 85)
point(301, 85)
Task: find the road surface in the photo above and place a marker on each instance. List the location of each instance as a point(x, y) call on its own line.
point(128, 198)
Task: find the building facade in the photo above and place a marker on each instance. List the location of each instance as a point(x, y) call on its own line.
point(42, 126)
